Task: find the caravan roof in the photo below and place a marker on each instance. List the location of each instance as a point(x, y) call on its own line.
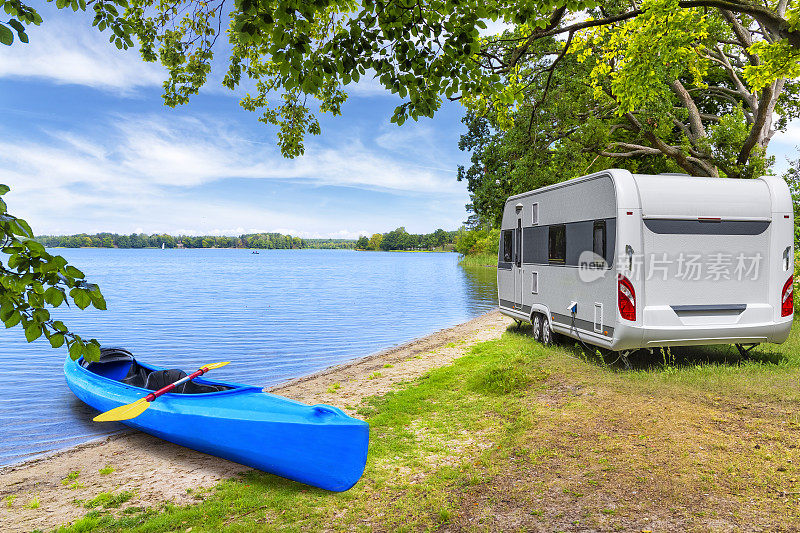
point(691, 197)
point(684, 196)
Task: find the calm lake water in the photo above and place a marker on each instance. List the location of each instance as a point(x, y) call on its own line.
point(276, 315)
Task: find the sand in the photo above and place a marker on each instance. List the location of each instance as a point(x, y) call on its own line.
point(135, 456)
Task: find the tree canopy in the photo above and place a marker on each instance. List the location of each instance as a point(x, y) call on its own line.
point(304, 54)
point(579, 109)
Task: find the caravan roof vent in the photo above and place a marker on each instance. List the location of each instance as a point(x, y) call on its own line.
point(518, 207)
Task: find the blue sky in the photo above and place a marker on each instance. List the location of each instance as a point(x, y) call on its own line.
point(87, 145)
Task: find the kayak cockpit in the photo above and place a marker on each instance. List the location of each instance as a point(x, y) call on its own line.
point(119, 364)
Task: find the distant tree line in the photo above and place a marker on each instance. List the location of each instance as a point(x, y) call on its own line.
point(141, 240)
point(400, 239)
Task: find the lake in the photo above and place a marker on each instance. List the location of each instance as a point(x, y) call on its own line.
point(275, 315)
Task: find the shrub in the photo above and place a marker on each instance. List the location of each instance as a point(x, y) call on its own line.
point(478, 241)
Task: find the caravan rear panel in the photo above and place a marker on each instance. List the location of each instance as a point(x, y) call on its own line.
point(706, 260)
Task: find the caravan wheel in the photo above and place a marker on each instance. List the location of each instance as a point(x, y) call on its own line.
point(537, 327)
point(547, 334)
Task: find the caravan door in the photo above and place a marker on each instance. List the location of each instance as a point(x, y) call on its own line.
point(518, 266)
point(505, 270)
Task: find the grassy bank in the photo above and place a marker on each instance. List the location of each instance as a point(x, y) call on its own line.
point(488, 260)
point(516, 436)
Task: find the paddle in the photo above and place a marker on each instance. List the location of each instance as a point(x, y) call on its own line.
point(132, 410)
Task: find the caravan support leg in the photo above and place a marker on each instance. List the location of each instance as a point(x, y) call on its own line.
point(745, 352)
point(624, 356)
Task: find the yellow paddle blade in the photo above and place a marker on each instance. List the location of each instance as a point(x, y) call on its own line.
point(212, 366)
point(124, 412)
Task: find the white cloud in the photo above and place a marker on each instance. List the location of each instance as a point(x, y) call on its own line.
point(66, 50)
point(192, 152)
point(135, 169)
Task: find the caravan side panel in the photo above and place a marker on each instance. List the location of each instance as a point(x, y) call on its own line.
point(557, 226)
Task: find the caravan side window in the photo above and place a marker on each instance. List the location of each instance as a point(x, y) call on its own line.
point(508, 244)
point(599, 238)
point(557, 244)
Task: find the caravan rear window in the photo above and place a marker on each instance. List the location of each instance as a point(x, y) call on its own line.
point(557, 243)
point(599, 238)
point(508, 244)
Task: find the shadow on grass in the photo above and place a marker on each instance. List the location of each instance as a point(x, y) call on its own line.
point(674, 357)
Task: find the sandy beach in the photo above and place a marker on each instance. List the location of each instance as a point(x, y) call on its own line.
point(40, 494)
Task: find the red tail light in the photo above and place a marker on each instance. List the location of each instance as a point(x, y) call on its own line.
point(787, 297)
point(626, 298)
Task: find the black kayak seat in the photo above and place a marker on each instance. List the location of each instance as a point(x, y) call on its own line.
point(120, 365)
point(114, 363)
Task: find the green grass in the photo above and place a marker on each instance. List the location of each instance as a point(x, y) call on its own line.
point(33, 503)
point(10, 500)
point(334, 387)
point(109, 500)
point(518, 433)
point(106, 470)
point(71, 477)
point(71, 481)
point(489, 260)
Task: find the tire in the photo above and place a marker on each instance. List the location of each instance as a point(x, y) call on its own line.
point(547, 333)
point(537, 327)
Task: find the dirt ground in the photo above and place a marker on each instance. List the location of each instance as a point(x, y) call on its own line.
point(45, 493)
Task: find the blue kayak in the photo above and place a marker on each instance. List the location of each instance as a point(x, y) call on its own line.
point(318, 445)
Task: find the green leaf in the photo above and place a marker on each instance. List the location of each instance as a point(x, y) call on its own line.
point(14, 260)
point(13, 319)
point(54, 296)
point(27, 231)
point(33, 331)
point(35, 247)
point(98, 301)
point(92, 351)
point(74, 272)
point(6, 309)
point(41, 315)
point(6, 35)
point(35, 299)
point(81, 297)
point(57, 340)
point(76, 349)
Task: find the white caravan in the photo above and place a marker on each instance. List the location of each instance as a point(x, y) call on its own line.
point(626, 261)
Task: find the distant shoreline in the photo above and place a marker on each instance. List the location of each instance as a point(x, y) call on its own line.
point(188, 248)
point(236, 248)
point(410, 251)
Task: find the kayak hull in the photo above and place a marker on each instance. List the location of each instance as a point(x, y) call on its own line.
point(317, 445)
